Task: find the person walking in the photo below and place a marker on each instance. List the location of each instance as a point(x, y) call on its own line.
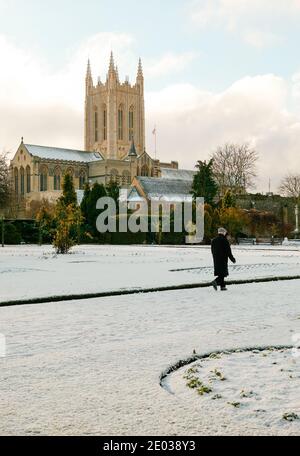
point(221, 251)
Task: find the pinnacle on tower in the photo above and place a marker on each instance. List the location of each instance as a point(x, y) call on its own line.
point(89, 78)
point(140, 69)
point(88, 71)
point(117, 73)
point(111, 63)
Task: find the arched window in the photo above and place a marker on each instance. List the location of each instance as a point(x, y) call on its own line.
point(22, 176)
point(82, 179)
point(104, 123)
point(114, 176)
point(131, 123)
point(16, 174)
point(96, 125)
point(120, 123)
point(57, 179)
point(28, 179)
point(70, 171)
point(145, 170)
point(126, 178)
point(43, 179)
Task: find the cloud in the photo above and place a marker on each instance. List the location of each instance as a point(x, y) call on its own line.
point(261, 39)
point(192, 123)
point(46, 107)
point(169, 62)
point(256, 21)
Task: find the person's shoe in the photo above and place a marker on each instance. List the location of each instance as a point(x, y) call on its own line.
point(224, 289)
point(215, 285)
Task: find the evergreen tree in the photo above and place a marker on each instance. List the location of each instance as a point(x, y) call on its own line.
point(4, 181)
point(228, 200)
point(204, 185)
point(67, 218)
point(45, 218)
point(113, 191)
point(69, 195)
point(98, 191)
point(84, 202)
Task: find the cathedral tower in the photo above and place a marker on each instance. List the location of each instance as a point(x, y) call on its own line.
point(114, 114)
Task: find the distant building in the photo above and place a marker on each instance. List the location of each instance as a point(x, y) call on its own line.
point(173, 186)
point(114, 138)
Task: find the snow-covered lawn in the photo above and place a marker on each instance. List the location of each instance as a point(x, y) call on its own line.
point(257, 388)
point(32, 271)
point(93, 366)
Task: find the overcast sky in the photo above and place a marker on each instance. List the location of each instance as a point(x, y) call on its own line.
point(215, 71)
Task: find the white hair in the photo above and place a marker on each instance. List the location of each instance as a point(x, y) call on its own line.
point(222, 231)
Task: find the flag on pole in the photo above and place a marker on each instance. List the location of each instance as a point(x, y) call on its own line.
point(155, 137)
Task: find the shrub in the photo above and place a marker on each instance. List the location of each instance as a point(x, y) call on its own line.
point(12, 235)
point(68, 219)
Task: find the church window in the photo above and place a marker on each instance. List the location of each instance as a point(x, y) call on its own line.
point(16, 181)
point(145, 171)
point(114, 176)
point(105, 124)
point(120, 124)
point(57, 179)
point(131, 124)
point(43, 179)
point(28, 180)
point(82, 180)
point(126, 178)
point(96, 126)
point(70, 172)
point(22, 173)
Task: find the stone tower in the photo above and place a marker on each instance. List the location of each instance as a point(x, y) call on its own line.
point(114, 114)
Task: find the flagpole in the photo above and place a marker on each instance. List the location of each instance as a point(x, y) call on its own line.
point(155, 144)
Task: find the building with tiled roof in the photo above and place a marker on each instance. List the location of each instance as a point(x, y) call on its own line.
point(114, 138)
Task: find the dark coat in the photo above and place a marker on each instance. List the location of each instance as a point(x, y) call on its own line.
point(221, 251)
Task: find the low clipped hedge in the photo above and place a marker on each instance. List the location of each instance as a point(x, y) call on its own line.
point(12, 235)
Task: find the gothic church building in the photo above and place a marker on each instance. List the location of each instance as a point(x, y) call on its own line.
point(114, 138)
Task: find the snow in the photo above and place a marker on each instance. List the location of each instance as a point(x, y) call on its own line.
point(257, 388)
point(37, 272)
point(92, 367)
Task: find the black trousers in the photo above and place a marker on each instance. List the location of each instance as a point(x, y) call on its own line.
point(221, 281)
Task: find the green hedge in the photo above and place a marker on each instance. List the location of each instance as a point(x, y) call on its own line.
point(25, 231)
point(12, 235)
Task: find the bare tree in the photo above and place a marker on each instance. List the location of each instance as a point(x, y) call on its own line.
point(4, 180)
point(234, 167)
point(290, 186)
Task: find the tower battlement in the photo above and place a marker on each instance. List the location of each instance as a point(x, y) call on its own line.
point(114, 113)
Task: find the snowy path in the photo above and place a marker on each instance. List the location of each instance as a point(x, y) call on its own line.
point(34, 272)
point(92, 367)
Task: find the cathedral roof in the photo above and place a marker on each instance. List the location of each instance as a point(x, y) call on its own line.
point(177, 174)
point(160, 189)
point(55, 153)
